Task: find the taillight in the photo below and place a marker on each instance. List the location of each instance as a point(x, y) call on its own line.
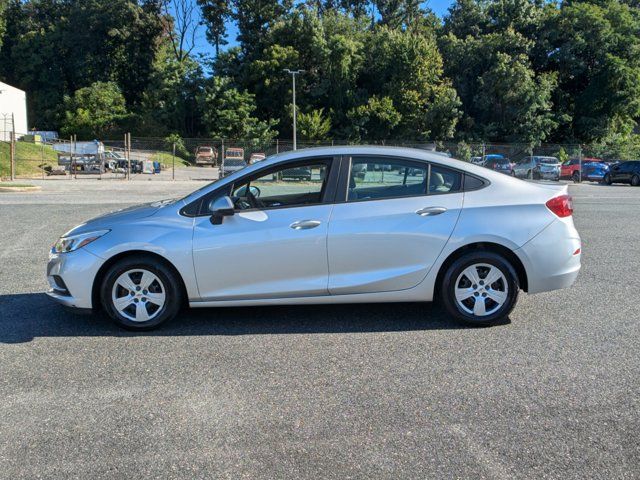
point(562, 206)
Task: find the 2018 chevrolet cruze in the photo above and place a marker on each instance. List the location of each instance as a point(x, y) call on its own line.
point(415, 227)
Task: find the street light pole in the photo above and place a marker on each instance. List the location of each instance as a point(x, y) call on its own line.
point(293, 74)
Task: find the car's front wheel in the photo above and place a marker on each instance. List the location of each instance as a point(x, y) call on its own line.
point(635, 180)
point(607, 179)
point(141, 293)
point(480, 288)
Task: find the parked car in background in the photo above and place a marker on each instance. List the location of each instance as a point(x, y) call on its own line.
point(256, 157)
point(233, 161)
point(571, 168)
point(625, 172)
point(499, 163)
point(594, 171)
point(206, 156)
point(297, 173)
point(249, 239)
point(538, 167)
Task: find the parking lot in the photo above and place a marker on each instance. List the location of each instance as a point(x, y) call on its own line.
point(356, 391)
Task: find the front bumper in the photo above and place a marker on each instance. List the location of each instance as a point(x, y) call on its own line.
point(77, 270)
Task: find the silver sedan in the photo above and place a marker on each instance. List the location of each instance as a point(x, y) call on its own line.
point(416, 226)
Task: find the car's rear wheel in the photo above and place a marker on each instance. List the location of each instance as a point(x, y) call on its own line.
point(480, 288)
point(575, 177)
point(635, 180)
point(607, 179)
point(141, 293)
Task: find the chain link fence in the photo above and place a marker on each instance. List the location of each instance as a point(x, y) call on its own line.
point(208, 159)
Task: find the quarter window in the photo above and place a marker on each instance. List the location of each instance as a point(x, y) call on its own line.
point(444, 180)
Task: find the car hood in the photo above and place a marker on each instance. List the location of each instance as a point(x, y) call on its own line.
point(124, 215)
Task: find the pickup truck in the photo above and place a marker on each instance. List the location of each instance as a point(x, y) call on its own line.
point(206, 155)
point(233, 161)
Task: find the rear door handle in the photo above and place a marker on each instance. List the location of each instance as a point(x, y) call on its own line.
point(431, 211)
point(305, 224)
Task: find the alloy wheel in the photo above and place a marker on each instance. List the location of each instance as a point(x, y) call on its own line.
point(138, 295)
point(481, 289)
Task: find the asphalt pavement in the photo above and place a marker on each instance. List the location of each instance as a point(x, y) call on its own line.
point(347, 391)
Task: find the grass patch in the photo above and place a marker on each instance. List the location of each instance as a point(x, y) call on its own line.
point(166, 160)
point(30, 159)
point(15, 185)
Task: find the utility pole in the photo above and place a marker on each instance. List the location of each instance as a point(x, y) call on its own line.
point(173, 162)
point(12, 155)
point(127, 153)
point(293, 74)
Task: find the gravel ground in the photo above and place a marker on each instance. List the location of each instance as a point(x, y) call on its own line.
point(363, 391)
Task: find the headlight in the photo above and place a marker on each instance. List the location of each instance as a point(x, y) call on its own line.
point(74, 242)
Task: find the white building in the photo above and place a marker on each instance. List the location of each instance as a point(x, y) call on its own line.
point(13, 112)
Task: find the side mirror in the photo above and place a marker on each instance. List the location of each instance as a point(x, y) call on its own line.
point(220, 208)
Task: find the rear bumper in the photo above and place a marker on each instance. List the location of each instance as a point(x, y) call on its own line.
point(550, 258)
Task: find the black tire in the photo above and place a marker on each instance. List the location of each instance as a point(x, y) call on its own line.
point(170, 285)
point(635, 180)
point(575, 177)
point(453, 272)
point(607, 179)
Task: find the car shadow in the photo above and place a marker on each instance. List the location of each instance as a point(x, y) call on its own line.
point(24, 317)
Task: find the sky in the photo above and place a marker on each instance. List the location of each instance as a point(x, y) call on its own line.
point(440, 7)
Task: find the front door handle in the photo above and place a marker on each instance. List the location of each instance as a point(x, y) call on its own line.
point(305, 224)
point(431, 211)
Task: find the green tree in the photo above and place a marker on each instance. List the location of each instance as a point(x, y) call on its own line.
point(407, 67)
point(215, 14)
point(313, 125)
point(229, 113)
point(514, 104)
point(96, 111)
point(254, 18)
point(3, 9)
point(503, 98)
point(59, 46)
point(171, 100)
point(594, 49)
point(375, 120)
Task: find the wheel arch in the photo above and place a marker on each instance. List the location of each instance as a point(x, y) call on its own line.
point(506, 252)
point(99, 277)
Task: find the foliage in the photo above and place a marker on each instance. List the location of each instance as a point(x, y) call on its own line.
point(526, 71)
point(177, 140)
point(375, 119)
point(229, 113)
point(313, 125)
point(215, 14)
point(95, 111)
point(463, 152)
point(562, 155)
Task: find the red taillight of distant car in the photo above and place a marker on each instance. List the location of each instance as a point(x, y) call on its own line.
point(562, 205)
